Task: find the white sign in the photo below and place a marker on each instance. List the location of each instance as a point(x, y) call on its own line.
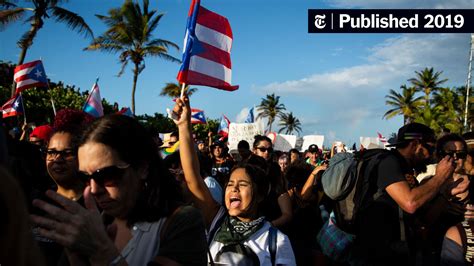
point(243, 131)
point(371, 143)
point(284, 142)
point(312, 139)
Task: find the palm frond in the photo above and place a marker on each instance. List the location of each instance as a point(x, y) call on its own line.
point(10, 15)
point(164, 43)
point(72, 20)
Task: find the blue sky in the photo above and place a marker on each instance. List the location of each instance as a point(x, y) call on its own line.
point(334, 83)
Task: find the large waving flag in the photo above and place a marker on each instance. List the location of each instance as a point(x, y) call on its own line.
point(197, 116)
point(93, 104)
point(206, 53)
point(223, 129)
point(30, 75)
point(13, 106)
point(250, 117)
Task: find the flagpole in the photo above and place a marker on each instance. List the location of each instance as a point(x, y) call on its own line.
point(24, 110)
point(182, 90)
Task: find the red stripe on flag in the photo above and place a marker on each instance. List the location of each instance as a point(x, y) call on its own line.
point(37, 84)
point(21, 78)
point(27, 65)
point(214, 21)
point(215, 54)
point(197, 78)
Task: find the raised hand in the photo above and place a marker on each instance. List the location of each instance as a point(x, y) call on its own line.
point(77, 228)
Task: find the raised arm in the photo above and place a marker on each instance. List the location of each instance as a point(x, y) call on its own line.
point(410, 199)
point(190, 163)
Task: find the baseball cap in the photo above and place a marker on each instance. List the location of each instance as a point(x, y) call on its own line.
point(43, 132)
point(414, 131)
point(313, 148)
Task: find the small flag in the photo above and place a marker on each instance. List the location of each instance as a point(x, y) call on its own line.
point(206, 52)
point(197, 116)
point(250, 117)
point(382, 139)
point(170, 150)
point(13, 106)
point(93, 105)
point(223, 129)
point(125, 111)
point(30, 75)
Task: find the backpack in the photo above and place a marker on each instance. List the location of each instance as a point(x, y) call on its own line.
point(241, 254)
point(351, 180)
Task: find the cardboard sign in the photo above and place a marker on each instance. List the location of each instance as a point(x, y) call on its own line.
point(312, 139)
point(284, 142)
point(371, 143)
point(243, 131)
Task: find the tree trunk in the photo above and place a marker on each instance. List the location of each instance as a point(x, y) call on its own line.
point(135, 78)
point(270, 122)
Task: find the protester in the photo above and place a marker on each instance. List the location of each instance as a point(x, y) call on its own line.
point(385, 234)
point(314, 155)
point(241, 224)
point(221, 162)
point(283, 162)
point(244, 150)
point(294, 155)
point(41, 135)
point(140, 200)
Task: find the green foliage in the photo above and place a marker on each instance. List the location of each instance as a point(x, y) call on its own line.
point(270, 107)
point(201, 130)
point(289, 123)
point(158, 123)
point(440, 108)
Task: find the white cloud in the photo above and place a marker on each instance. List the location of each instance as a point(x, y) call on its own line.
point(242, 115)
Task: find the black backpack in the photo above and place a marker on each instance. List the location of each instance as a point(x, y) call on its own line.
point(351, 180)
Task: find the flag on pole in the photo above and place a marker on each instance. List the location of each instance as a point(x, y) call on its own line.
point(125, 111)
point(30, 75)
point(93, 105)
point(223, 129)
point(382, 139)
point(206, 50)
point(250, 117)
point(13, 106)
point(197, 116)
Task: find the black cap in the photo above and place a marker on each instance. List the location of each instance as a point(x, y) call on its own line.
point(414, 131)
point(313, 148)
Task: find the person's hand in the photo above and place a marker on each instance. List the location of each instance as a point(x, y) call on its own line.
point(77, 228)
point(182, 112)
point(462, 186)
point(445, 168)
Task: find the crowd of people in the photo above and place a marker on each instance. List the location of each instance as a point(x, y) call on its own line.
point(86, 191)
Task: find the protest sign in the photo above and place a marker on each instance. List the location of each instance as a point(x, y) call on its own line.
point(243, 131)
point(312, 139)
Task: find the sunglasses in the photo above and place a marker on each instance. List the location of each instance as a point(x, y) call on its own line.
point(67, 154)
point(109, 176)
point(455, 154)
point(264, 149)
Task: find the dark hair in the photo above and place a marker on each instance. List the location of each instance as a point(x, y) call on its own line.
point(243, 144)
point(445, 139)
point(255, 168)
point(297, 174)
point(260, 138)
point(293, 151)
point(134, 145)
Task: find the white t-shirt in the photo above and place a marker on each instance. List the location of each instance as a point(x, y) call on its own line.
point(258, 243)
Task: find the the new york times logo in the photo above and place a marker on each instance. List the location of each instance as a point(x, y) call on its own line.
point(391, 21)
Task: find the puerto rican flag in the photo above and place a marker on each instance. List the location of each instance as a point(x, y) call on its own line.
point(13, 106)
point(30, 75)
point(223, 129)
point(125, 111)
point(382, 139)
point(206, 53)
point(197, 116)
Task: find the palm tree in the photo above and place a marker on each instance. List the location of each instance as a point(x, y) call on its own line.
point(42, 9)
point(405, 104)
point(130, 34)
point(270, 108)
point(173, 90)
point(427, 81)
point(289, 123)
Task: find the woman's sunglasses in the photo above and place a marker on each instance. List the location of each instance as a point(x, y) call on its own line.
point(454, 154)
point(264, 149)
point(109, 176)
